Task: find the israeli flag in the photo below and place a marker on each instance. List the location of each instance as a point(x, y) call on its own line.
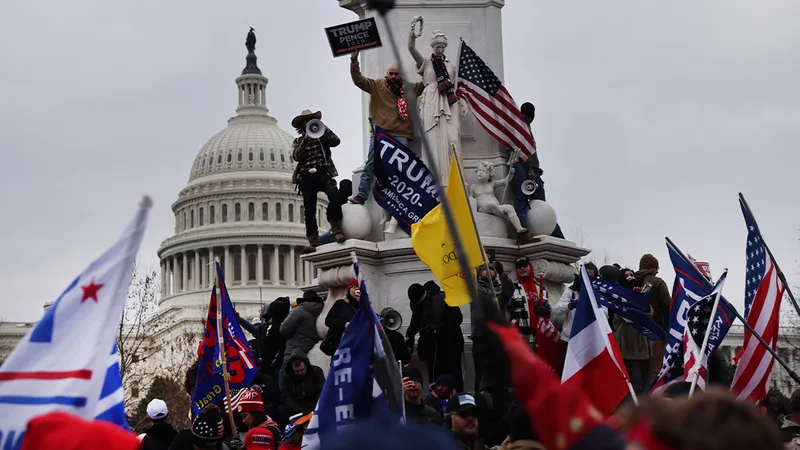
point(69, 361)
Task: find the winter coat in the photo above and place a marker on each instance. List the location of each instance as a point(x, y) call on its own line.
point(562, 314)
point(183, 441)
point(422, 413)
point(339, 315)
point(660, 298)
point(300, 328)
point(433, 400)
point(398, 344)
point(470, 444)
point(632, 343)
point(300, 395)
point(486, 291)
point(790, 432)
point(439, 328)
point(383, 110)
point(158, 437)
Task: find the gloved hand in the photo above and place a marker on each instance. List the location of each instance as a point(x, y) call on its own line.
point(542, 311)
point(572, 304)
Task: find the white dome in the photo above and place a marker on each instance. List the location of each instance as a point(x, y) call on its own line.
point(247, 144)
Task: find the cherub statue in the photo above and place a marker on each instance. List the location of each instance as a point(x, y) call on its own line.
point(483, 191)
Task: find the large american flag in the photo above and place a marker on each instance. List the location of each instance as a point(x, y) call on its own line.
point(762, 302)
point(491, 103)
point(695, 360)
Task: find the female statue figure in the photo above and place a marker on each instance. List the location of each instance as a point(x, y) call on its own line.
point(439, 108)
point(483, 191)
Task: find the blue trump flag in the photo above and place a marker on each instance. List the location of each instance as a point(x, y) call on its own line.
point(689, 287)
point(404, 186)
point(239, 359)
point(355, 389)
point(629, 305)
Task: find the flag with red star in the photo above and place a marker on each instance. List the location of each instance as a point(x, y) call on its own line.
point(69, 362)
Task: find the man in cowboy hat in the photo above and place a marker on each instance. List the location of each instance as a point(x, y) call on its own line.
point(315, 172)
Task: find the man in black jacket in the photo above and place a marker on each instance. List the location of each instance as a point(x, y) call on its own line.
point(416, 411)
point(160, 435)
point(441, 342)
point(301, 386)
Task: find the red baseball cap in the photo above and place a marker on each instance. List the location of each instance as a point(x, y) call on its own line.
point(259, 438)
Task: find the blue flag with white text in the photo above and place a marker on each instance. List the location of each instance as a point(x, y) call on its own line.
point(351, 392)
point(404, 186)
point(209, 387)
point(69, 361)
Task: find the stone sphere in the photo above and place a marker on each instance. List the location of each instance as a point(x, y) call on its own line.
point(356, 222)
point(541, 218)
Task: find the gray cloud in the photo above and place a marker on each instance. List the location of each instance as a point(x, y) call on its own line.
point(650, 119)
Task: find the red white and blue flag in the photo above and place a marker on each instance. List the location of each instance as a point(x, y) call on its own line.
point(492, 104)
point(695, 360)
point(68, 362)
point(762, 304)
point(594, 363)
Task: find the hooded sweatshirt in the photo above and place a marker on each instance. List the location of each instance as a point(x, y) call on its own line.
point(158, 437)
point(433, 400)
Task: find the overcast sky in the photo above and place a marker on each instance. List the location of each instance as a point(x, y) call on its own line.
point(651, 117)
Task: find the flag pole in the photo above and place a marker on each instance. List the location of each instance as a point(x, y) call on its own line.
point(781, 276)
point(755, 334)
point(221, 341)
point(696, 374)
point(447, 209)
point(400, 368)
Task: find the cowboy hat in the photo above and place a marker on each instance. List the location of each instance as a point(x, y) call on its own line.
point(306, 114)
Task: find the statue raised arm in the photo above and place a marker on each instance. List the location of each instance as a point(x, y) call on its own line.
point(412, 41)
point(250, 43)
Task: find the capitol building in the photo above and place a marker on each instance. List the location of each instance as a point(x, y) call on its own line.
point(241, 207)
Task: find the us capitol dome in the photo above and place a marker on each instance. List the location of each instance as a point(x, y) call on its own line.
point(240, 206)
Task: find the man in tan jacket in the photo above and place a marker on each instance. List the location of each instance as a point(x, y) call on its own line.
point(660, 301)
point(388, 110)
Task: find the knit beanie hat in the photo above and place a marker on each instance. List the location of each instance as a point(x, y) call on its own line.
point(445, 380)
point(647, 262)
point(353, 283)
point(413, 373)
point(415, 292)
point(250, 400)
point(259, 438)
point(69, 432)
point(207, 428)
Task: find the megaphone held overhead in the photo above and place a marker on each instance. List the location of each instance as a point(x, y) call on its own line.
point(315, 129)
point(391, 319)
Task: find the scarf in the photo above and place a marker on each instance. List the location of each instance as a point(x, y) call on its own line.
point(399, 91)
point(443, 79)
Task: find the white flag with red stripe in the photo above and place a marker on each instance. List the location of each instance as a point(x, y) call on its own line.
point(491, 103)
point(762, 301)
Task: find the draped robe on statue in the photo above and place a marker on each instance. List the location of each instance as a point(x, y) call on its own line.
point(441, 121)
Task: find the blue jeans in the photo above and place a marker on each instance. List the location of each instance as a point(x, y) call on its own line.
point(368, 174)
point(521, 200)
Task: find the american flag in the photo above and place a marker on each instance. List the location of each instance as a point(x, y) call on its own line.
point(491, 103)
point(697, 320)
point(762, 304)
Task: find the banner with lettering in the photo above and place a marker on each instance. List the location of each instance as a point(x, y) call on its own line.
point(238, 354)
point(404, 186)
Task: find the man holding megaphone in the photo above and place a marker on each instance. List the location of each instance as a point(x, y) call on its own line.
point(315, 172)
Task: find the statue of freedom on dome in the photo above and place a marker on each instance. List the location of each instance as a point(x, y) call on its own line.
point(250, 43)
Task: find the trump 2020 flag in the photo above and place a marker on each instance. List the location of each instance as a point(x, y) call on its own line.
point(630, 306)
point(351, 392)
point(68, 362)
point(210, 387)
point(594, 362)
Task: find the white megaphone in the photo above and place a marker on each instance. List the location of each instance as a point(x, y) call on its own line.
point(315, 129)
point(391, 319)
point(528, 187)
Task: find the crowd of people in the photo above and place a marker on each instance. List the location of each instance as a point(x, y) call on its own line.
point(494, 413)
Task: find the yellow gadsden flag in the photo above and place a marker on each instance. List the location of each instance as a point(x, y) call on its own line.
point(434, 245)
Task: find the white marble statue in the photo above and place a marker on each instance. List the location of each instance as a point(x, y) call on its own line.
point(483, 192)
point(439, 107)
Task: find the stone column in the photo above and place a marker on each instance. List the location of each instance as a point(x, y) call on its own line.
point(172, 275)
point(274, 269)
point(227, 273)
point(243, 259)
point(163, 277)
point(185, 273)
point(212, 268)
point(196, 273)
point(292, 265)
point(260, 265)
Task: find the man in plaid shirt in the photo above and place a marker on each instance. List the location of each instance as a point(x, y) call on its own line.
point(316, 172)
